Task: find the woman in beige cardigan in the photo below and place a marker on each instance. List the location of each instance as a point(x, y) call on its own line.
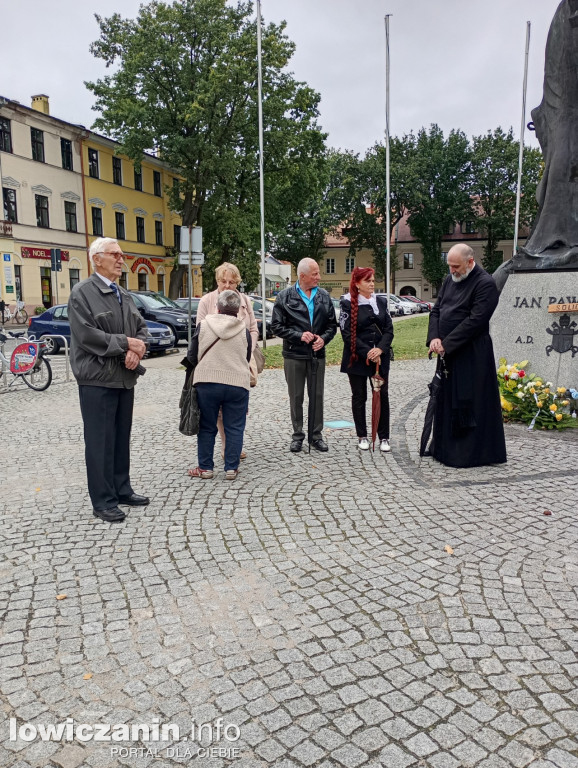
point(228, 278)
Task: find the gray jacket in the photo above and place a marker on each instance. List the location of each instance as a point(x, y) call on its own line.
point(99, 327)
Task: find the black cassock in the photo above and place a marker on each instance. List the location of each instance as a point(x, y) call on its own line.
point(468, 429)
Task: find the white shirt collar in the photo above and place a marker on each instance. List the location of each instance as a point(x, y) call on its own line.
point(361, 300)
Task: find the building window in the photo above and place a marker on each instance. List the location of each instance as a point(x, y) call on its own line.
point(450, 229)
point(73, 277)
point(408, 260)
point(158, 232)
point(93, 164)
point(5, 135)
point(10, 210)
point(176, 184)
point(140, 229)
point(70, 216)
point(42, 219)
point(445, 257)
point(161, 283)
point(97, 222)
point(177, 236)
point(18, 282)
point(142, 281)
point(138, 180)
point(349, 264)
point(119, 218)
point(330, 266)
point(469, 227)
point(37, 138)
point(122, 280)
point(117, 171)
point(157, 183)
point(66, 152)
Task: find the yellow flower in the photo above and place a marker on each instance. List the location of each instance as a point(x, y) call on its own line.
point(558, 417)
point(533, 390)
point(502, 370)
point(546, 390)
point(506, 406)
point(561, 390)
point(553, 407)
point(565, 402)
point(539, 403)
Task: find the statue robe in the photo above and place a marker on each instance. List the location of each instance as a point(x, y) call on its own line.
point(467, 429)
point(554, 236)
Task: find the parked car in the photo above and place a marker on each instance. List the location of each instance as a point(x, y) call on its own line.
point(422, 305)
point(401, 307)
point(184, 304)
point(413, 307)
point(54, 322)
point(155, 306)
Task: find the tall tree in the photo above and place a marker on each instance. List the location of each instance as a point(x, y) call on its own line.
point(439, 172)
point(185, 85)
point(494, 161)
point(367, 227)
point(324, 205)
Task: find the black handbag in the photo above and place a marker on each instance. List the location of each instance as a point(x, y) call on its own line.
point(190, 412)
point(190, 420)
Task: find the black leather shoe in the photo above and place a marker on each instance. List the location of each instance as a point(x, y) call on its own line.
point(320, 445)
point(296, 446)
point(112, 515)
point(134, 500)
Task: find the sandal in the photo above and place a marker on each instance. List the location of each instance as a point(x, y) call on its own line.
point(231, 474)
point(205, 474)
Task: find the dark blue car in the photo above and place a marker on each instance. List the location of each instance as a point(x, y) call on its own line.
point(54, 322)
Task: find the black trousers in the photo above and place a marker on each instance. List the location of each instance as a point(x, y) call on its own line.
point(297, 374)
point(107, 416)
point(359, 386)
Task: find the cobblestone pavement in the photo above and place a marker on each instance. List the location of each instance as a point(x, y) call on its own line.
point(343, 609)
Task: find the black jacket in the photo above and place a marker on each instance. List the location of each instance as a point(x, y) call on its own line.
point(291, 319)
point(372, 331)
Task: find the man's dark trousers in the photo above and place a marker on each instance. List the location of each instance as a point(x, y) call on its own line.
point(297, 374)
point(107, 416)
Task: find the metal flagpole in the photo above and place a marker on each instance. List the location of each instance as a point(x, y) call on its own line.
point(387, 159)
point(522, 129)
point(261, 179)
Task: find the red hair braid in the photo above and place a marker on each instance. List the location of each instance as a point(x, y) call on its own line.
point(358, 274)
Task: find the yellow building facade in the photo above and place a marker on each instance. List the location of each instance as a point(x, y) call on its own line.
point(131, 205)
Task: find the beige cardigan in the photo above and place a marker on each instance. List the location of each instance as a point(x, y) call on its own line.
point(208, 306)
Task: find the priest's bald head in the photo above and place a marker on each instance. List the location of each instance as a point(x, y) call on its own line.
point(460, 261)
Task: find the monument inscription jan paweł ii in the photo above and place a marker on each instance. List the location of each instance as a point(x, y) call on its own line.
point(537, 320)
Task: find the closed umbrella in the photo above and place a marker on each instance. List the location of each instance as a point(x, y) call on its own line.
point(434, 387)
point(377, 383)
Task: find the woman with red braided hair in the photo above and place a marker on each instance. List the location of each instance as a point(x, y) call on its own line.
point(367, 333)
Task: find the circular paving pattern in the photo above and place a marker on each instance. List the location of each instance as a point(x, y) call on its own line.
point(339, 609)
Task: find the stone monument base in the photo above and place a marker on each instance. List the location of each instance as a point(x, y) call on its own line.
point(522, 328)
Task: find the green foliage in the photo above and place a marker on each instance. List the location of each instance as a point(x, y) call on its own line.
point(321, 207)
point(494, 159)
point(438, 177)
point(185, 84)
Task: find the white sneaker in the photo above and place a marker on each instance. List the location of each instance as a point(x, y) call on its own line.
point(385, 446)
point(363, 444)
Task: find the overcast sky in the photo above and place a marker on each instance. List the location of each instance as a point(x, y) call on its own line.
point(458, 63)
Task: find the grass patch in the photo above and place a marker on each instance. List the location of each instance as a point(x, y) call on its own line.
point(408, 343)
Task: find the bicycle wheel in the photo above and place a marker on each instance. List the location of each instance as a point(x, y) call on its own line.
point(21, 316)
point(39, 377)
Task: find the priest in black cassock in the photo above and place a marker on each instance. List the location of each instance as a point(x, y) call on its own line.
point(468, 429)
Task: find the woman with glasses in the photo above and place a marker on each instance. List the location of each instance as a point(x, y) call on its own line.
point(228, 278)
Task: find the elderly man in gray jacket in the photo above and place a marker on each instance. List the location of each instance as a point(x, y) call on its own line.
point(106, 346)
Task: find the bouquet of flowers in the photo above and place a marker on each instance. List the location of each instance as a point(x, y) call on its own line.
point(528, 398)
